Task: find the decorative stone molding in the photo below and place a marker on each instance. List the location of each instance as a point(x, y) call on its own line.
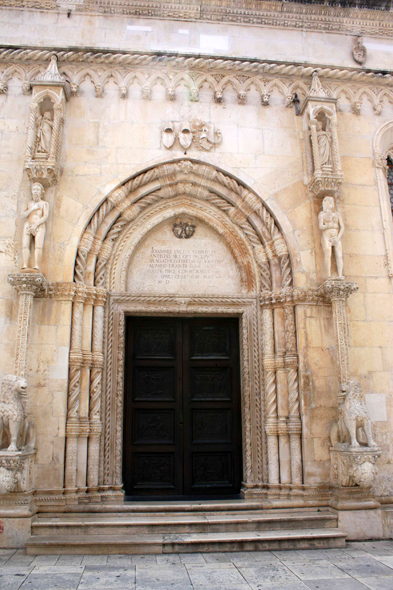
point(28, 286)
point(16, 472)
point(355, 467)
point(270, 14)
point(121, 304)
point(47, 110)
point(322, 152)
point(289, 79)
point(383, 148)
point(168, 181)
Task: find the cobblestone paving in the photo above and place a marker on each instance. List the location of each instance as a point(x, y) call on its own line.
point(359, 566)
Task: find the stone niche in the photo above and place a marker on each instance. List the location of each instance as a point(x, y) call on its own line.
point(183, 257)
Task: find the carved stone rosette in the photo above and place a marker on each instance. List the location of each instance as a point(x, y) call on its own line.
point(46, 121)
point(319, 113)
point(28, 286)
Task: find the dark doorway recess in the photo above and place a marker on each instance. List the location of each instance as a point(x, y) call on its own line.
point(182, 411)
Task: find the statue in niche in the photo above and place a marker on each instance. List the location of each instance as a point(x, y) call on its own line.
point(15, 431)
point(36, 213)
point(44, 134)
point(324, 139)
point(332, 228)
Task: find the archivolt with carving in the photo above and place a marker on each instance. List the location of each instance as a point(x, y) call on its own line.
point(258, 246)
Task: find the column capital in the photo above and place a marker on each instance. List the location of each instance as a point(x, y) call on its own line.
point(334, 289)
point(29, 283)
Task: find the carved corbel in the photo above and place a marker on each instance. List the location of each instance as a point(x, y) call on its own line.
point(218, 96)
point(47, 110)
point(241, 97)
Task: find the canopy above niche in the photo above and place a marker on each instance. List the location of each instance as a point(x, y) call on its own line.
point(171, 261)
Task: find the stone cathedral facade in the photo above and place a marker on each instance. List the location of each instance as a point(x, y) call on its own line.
point(196, 246)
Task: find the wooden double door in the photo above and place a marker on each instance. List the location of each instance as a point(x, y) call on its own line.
point(182, 411)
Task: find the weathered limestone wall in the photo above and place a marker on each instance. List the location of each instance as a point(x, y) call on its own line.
point(110, 31)
point(107, 139)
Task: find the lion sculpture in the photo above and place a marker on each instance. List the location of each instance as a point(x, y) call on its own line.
point(14, 428)
point(354, 419)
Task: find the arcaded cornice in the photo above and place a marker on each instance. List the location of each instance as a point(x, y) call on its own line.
point(271, 13)
point(87, 56)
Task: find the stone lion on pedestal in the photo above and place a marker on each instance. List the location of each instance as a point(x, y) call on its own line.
point(15, 432)
point(354, 421)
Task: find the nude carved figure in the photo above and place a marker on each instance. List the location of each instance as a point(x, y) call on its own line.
point(332, 228)
point(36, 213)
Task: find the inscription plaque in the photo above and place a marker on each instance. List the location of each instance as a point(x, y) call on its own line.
point(163, 264)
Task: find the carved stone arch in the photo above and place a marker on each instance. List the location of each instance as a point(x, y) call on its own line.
point(382, 147)
point(264, 305)
point(133, 233)
point(125, 202)
point(323, 109)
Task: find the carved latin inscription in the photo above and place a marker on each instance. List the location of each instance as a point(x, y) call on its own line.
point(165, 264)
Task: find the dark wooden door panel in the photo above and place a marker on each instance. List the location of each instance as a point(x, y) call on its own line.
point(182, 427)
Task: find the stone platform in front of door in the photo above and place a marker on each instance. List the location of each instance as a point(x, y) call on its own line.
point(189, 527)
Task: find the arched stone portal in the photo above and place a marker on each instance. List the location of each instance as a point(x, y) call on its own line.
point(260, 293)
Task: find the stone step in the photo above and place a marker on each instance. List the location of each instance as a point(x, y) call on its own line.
point(135, 524)
point(182, 506)
point(186, 543)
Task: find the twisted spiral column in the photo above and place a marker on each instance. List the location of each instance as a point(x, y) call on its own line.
point(294, 421)
point(31, 133)
point(315, 147)
point(96, 391)
point(282, 395)
point(74, 385)
point(335, 150)
point(270, 395)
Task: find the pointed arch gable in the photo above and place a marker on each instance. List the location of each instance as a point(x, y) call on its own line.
point(204, 182)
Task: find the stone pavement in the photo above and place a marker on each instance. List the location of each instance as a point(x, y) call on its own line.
point(359, 566)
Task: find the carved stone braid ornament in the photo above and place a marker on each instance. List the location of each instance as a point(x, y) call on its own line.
point(47, 109)
point(123, 198)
